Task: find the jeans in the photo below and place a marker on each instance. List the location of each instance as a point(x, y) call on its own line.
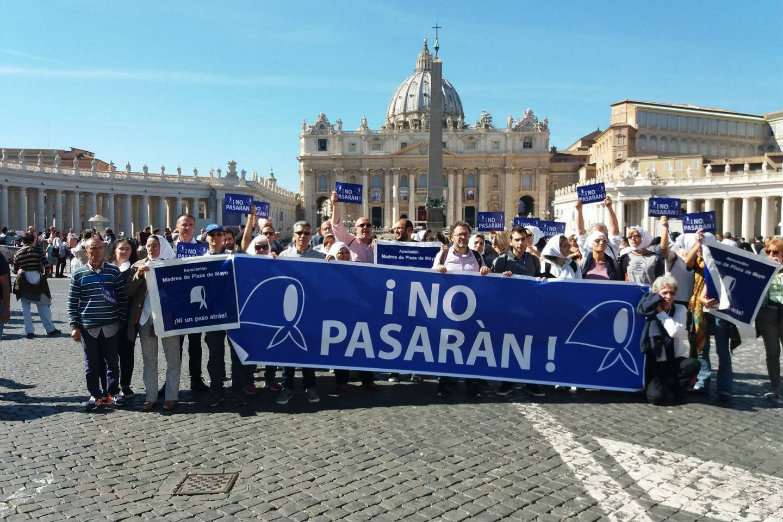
point(725, 374)
point(216, 366)
point(44, 312)
point(308, 377)
point(769, 323)
point(100, 354)
point(125, 348)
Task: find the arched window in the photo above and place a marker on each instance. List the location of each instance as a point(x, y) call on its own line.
point(470, 180)
point(322, 183)
point(423, 181)
point(527, 181)
point(376, 181)
point(641, 142)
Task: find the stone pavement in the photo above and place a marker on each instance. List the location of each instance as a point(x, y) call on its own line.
point(394, 454)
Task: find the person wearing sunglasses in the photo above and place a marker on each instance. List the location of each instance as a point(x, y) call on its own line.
point(769, 321)
point(361, 242)
point(300, 249)
point(612, 233)
point(597, 264)
point(639, 264)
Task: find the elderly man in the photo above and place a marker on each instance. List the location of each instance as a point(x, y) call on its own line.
point(360, 244)
point(459, 258)
point(613, 235)
point(96, 308)
point(300, 249)
point(186, 227)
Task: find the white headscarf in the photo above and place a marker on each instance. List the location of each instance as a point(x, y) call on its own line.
point(260, 238)
point(645, 239)
point(166, 252)
point(552, 247)
point(592, 237)
point(336, 247)
point(537, 234)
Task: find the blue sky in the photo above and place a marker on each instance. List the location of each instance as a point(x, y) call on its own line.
point(198, 83)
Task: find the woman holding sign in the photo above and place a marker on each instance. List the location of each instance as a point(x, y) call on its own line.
point(596, 264)
point(158, 249)
point(769, 321)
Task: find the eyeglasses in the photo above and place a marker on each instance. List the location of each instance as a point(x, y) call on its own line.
point(774, 252)
point(363, 225)
point(302, 232)
point(599, 241)
point(262, 247)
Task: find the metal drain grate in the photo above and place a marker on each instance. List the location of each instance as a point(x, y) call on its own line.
point(206, 483)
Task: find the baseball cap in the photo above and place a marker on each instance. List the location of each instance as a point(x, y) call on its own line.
point(213, 227)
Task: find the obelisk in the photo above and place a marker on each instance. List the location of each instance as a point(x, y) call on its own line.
point(435, 173)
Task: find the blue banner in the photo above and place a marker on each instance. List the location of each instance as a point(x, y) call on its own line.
point(193, 295)
point(489, 221)
point(356, 316)
point(348, 192)
point(237, 204)
point(669, 207)
point(699, 220)
point(737, 279)
point(595, 193)
point(551, 228)
point(410, 254)
point(191, 250)
point(526, 222)
point(262, 209)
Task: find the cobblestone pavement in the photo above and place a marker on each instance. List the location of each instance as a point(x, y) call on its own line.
point(394, 454)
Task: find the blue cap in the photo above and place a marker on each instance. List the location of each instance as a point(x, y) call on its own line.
point(213, 227)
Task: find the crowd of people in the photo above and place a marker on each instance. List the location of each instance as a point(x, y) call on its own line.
point(109, 301)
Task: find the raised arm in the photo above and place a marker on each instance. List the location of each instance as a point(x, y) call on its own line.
point(252, 221)
point(614, 227)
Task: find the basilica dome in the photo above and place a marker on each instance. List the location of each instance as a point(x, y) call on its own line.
point(410, 105)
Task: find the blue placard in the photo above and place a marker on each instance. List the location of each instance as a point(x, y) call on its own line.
point(190, 250)
point(380, 318)
point(737, 279)
point(526, 222)
point(669, 207)
point(551, 228)
point(348, 192)
point(262, 209)
point(591, 193)
point(489, 221)
point(237, 204)
point(411, 254)
point(193, 295)
point(699, 220)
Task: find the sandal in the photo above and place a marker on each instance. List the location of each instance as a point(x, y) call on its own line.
point(148, 406)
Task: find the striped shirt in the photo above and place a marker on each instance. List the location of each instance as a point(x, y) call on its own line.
point(89, 297)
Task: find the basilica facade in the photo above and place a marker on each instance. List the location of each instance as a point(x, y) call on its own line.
point(487, 167)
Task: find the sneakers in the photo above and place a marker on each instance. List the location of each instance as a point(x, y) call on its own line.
point(109, 402)
point(312, 396)
point(285, 396)
point(127, 391)
point(215, 398)
point(53, 333)
point(772, 396)
point(120, 400)
point(273, 385)
point(250, 389)
point(535, 390)
point(240, 398)
point(92, 404)
point(504, 389)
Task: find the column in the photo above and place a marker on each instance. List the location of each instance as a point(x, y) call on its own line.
point(690, 205)
point(619, 210)
point(452, 199)
point(482, 186)
point(144, 216)
point(766, 217)
point(127, 220)
point(510, 192)
point(412, 205)
point(4, 206)
point(59, 209)
point(386, 183)
point(396, 200)
point(458, 199)
point(645, 220)
point(22, 209)
point(709, 205)
point(162, 222)
point(780, 207)
point(40, 210)
point(93, 204)
point(76, 215)
point(728, 217)
point(746, 227)
point(178, 209)
point(366, 199)
point(113, 224)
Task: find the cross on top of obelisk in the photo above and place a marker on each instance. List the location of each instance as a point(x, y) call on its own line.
point(437, 45)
